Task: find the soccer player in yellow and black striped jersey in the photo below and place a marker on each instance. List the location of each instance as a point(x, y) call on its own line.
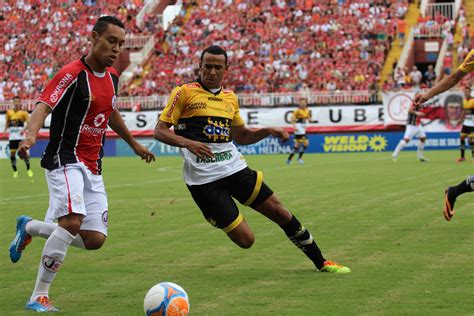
point(206, 120)
point(450, 81)
point(16, 120)
point(299, 119)
point(467, 130)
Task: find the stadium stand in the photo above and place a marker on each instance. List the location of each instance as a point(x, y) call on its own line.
point(29, 58)
point(289, 46)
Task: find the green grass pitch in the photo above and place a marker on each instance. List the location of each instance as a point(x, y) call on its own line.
point(381, 219)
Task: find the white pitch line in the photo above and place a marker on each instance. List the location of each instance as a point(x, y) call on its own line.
point(24, 197)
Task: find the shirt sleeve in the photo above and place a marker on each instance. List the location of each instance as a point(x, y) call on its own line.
point(174, 107)
point(57, 87)
point(468, 63)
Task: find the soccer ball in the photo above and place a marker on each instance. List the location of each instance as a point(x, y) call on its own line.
point(168, 299)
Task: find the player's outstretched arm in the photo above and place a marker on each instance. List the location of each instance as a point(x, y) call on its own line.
point(445, 84)
point(36, 120)
point(163, 134)
point(245, 136)
point(117, 124)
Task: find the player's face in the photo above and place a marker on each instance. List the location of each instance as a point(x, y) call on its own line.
point(213, 68)
point(16, 104)
point(108, 45)
point(303, 103)
point(467, 93)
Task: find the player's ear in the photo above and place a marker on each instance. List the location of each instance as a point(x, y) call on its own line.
point(94, 36)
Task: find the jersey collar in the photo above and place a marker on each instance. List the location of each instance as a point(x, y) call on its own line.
point(207, 89)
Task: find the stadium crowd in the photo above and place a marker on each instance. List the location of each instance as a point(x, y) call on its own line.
point(43, 36)
point(278, 46)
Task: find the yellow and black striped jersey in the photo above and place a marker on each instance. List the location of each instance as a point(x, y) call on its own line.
point(300, 117)
point(468, 108)
point(468, 63)
point(201, 115)
point(16, 122)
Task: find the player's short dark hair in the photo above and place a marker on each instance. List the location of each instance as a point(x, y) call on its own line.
point(101, 25)
point(214, 50)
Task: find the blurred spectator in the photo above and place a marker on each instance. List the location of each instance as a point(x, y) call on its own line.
point(447, 63)
point(416, 77)
point(276, 46)
point(42, 37)
point(429, 76)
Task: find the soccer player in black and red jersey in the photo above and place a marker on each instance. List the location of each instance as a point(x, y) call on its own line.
point(81, 98)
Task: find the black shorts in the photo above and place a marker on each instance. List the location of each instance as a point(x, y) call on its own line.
point(215, 198)
point(14, 144)
point(467, 130)
point(301, 139)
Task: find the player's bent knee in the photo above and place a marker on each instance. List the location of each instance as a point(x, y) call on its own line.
point(72, 223)
point(94, 241)
point(246, 241)
point(242, 236)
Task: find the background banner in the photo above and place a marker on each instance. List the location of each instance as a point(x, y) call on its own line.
point(319, 143)
point(443, 112)
point(442, 115)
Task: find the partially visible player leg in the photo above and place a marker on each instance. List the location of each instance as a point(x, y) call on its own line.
point(452, 193)
point(54, 252)
point(219, 209)
point(462, 147)
point(305, 145)
point(13, 163)
point(66, 186)
point(27, 164)
point(419, 151)
point(399, 148)
point(297, 233)
point(248, 188)
point(421, 144)
point(27, 228)
point(295, 150)
point(471, 144)
point(242, 235)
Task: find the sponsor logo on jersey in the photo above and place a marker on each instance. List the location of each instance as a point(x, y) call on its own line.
point(93, 130)
point(222, 156)
point(229, 108)
point(99, 119)
point(64, 82)
point(173, 104)
point(215, 99)
point(197, 106)
point(193, 85)
point(50, 264)
point(180, 127)
point(217, 130)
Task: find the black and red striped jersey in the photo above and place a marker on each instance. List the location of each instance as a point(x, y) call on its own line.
point(82, 101)
point(414, 119)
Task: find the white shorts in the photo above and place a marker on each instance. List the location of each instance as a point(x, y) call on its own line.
point(414, 130)
point(75, 189)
